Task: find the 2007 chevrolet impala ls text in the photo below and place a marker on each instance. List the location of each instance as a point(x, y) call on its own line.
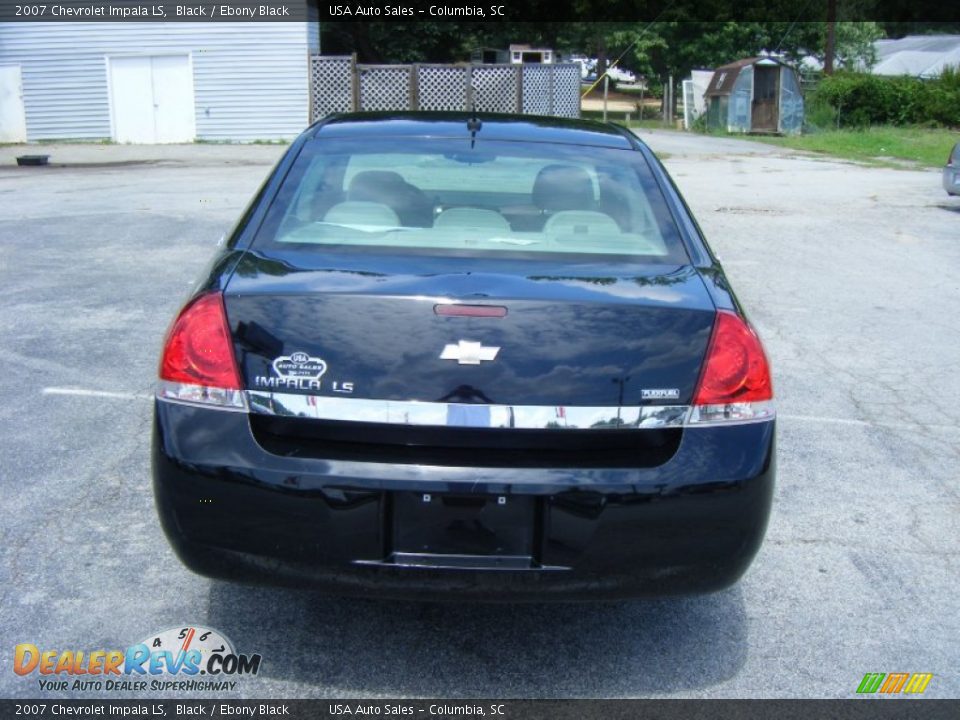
point(446, 355)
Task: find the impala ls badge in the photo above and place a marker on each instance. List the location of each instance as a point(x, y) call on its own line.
point(468, 353)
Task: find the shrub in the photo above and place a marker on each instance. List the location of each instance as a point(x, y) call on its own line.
point(859, 100)
point(944, 100)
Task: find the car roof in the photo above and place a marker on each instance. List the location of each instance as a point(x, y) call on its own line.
point(522, 128)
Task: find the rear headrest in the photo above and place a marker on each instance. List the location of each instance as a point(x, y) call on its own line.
point(362, 214)
point(384, 186)
point(467, 217)
point(373, 184)
point(563, 187)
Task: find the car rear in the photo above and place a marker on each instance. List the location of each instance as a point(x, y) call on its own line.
point(472, 362)
point(951, 172)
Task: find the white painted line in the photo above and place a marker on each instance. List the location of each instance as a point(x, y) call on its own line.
point(80, 392)
point(867, 423)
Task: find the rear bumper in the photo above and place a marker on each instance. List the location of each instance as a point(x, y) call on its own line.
point(951, 180)
point(232, 510)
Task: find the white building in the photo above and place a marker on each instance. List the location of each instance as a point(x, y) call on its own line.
point(158, 82)
point(520, 54)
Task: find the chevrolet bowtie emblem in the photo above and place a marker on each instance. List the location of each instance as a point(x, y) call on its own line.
point(468, 353)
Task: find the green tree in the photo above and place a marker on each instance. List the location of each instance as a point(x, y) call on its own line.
point(656, 49)
point(854, 44)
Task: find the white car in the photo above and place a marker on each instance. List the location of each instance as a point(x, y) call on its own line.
point(588, 70)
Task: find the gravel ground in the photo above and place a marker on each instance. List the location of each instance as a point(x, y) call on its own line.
point(849, 272)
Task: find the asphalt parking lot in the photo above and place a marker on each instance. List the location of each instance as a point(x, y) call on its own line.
point(850, 274)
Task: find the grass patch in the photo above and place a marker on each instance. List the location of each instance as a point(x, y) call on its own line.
point(928, 147)
point(646, 124)
point(619, 117)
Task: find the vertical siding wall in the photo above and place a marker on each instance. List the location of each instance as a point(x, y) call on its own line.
point(250, 79)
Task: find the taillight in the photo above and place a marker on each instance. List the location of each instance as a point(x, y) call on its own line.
point(198, 364)
point(735, 383)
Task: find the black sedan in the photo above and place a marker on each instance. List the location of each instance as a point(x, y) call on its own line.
point(466, 356)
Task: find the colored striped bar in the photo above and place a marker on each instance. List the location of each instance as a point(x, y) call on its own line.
point(871, 682)
point(894, 683)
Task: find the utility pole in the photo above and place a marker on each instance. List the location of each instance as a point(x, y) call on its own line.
point(668, 113)
point(606, 86)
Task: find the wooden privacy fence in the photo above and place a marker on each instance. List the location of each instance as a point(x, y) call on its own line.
point(339, 84)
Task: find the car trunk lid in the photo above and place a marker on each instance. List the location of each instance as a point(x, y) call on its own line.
point(561, 339)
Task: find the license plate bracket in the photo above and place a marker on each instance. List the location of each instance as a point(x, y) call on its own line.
point(463, 525)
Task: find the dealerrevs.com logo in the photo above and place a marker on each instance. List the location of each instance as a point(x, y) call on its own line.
point(187, 659)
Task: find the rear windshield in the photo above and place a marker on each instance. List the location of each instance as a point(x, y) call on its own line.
point(457, 197)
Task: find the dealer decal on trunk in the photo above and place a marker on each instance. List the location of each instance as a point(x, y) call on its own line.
point(297, 371)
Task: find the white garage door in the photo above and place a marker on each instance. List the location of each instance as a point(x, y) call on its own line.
point(13, 124)
point(152, 99)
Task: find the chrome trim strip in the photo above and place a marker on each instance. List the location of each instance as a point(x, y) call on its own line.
point(438, 414)
point(483, 563)
point(435, 414)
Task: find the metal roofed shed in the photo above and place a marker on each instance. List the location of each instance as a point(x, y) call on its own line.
point(755, 95)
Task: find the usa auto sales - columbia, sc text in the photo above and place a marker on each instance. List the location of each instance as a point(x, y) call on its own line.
point(406, 11)
point(392, 710)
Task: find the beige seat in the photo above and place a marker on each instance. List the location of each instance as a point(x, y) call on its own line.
point(473, 218)
point(362, 214)
point(555, 189)
point(581, 223)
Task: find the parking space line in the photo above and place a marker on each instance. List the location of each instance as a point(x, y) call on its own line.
point(80, 392)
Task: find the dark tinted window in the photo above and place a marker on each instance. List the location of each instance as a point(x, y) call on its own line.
point(475, 198)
